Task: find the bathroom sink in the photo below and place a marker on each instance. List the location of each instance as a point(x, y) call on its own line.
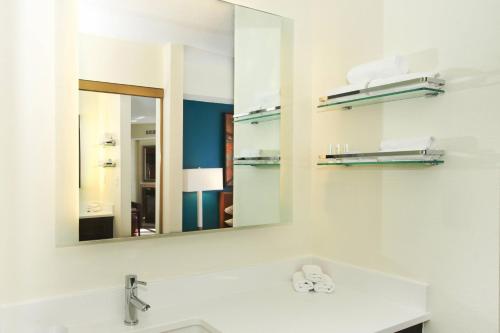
point(190, 329)
point(190, 326)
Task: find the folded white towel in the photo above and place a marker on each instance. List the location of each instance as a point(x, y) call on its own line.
point(94, 207)
point(326, 285)
point(249, 153)
point(229, 222)
point(378, 69)
point(268, 100)
point(300, 283)
point(312, 272)
point(421, 143)
point(229, 210)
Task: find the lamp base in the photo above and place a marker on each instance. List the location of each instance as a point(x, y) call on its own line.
point(200, 210)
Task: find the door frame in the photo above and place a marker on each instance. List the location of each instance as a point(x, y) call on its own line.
point(132, 90)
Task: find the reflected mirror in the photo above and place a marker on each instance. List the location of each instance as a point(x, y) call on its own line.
point(182, 117)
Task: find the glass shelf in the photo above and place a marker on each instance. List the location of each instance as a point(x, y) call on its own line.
point(416, 157)
point(333, 104)
point(409, 86)
point(108, 142)
point(395, 162)
point(258, 116)
point(258, 161)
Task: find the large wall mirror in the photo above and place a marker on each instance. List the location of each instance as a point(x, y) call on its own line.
point(182, 109)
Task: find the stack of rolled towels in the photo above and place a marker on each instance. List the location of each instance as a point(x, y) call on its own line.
point(312, 279)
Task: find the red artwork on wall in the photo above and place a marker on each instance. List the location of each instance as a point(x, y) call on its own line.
point(228, 139)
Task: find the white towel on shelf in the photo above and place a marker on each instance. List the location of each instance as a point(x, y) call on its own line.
point(420, 143)
point(229, 222)
point(346, 89)
point(400, 78)
point(377, 83)
point(249, 153)
point(312, 272)
point(379, 69)
point(326, 285)
point(300, 283)
point(229, 210)
point(94, 207)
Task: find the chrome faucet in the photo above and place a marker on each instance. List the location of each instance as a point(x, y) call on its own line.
point(132, 302)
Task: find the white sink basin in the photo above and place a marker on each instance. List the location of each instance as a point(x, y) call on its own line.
point(189, 329)
point(189, 326)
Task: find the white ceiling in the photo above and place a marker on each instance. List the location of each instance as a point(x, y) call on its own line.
point(143, 110)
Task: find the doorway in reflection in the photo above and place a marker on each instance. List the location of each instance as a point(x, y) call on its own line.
point(119, 168)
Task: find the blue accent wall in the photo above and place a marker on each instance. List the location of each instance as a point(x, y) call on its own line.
point(203, 147)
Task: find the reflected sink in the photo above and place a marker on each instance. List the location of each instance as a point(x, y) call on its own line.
point(190, 326)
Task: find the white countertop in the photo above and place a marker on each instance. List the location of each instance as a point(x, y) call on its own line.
point(106, 211)
point(244, 301)
point(281, 310)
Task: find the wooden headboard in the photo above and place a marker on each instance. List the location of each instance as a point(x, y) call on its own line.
point(225, 200)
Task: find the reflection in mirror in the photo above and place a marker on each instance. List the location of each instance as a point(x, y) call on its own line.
point(119, 142)
point(181, 117)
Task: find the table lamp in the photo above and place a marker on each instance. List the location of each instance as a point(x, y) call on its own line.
point(199, 180)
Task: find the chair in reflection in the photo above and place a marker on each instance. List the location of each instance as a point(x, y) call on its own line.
point(136, 219)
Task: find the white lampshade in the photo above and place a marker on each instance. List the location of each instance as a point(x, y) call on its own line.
point(209, 179)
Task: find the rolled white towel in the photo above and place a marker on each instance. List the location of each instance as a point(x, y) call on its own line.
point(312, 272)
point(300, 283)
point(378, 69)
point(326, 285)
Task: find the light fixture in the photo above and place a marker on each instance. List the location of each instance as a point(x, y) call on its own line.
point(199, 180)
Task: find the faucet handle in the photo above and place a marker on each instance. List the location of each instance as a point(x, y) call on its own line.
point(132, 282)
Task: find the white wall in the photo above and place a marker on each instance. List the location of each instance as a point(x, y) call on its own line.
point(129, 21)
point(125, 160)
point(438, 224)
point(208, 76)
point(36, 267)
point(120, 61)
point(257, 41)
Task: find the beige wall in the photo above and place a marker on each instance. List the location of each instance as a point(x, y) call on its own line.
point(120, 61)
point(36, 267)
point(438, 224)
point(99, 115)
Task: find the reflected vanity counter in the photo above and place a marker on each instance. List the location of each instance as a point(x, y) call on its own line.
point(96, 225)
point(247, 300)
